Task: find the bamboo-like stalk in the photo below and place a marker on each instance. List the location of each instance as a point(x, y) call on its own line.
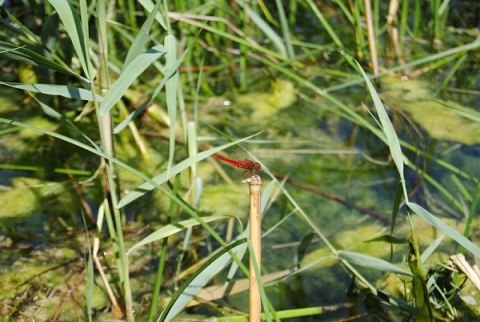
point(255, 183)
point(392, 30)
point(106, 138)
point(371, 36)
point(472, 273)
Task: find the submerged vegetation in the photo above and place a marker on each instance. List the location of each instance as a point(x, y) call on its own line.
point(363, 114)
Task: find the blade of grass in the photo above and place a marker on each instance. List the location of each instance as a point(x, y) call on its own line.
point(387, 127)
point(461, 187)
point(54, 114)
point(172, 229)
point(148, 6)
point(171, 87)
point(265, 28)
point(197, 280)
point(371, 262)
point(325, 23)
point(56, 90)
point(240, 40)
point(128, 76)
point(440, 225)
point(467, 113)
point(20, 28)
point(431, 248)
point(78, 36)
point(287, 36)
point(141, 38)
point(157, 90)
point(27, 56)
point(449, 53)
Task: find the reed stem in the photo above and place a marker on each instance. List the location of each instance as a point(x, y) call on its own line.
point(255, 183)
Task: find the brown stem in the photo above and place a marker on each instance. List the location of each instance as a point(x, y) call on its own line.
point(255, 237)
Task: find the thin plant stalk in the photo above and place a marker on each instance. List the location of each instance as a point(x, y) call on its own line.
point(371, 36)
point(325, 23)
point(107, 144)
point(244, 50)
point(417, 16)
point(357, 10)
point(435, 5)
point(255, 183)
point(403, 25)
point(376, 10)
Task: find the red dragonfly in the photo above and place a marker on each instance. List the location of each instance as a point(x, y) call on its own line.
point(246, 164)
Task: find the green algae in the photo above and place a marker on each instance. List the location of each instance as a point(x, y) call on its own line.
point(27, 196)
point(442, 120)
point(264, 105)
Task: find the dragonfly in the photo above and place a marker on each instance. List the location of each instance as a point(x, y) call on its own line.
point(246, 164)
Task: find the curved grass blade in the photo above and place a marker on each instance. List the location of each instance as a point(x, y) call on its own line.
point(56, 90)
point(240, 40)
point(54, 114)
point(397, 302)
point(142, 37)
point(172, 229)
point(302, 248)
point(148, 6)
point(197, 280)
point(430, 249)
point(267, 30)
point(287, 36)
point(387, 128)
point(325, 23)
point(447, 54)
point(157, 90)
point(440, 225)
point(32, 58)
point(19, 28)
point(371, 262)
point(128, 76)
point(467, 113)
point(78, 36)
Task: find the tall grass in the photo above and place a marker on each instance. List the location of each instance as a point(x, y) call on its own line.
point(158, 49)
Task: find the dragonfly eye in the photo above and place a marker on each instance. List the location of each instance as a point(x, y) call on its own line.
point(258, 166)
